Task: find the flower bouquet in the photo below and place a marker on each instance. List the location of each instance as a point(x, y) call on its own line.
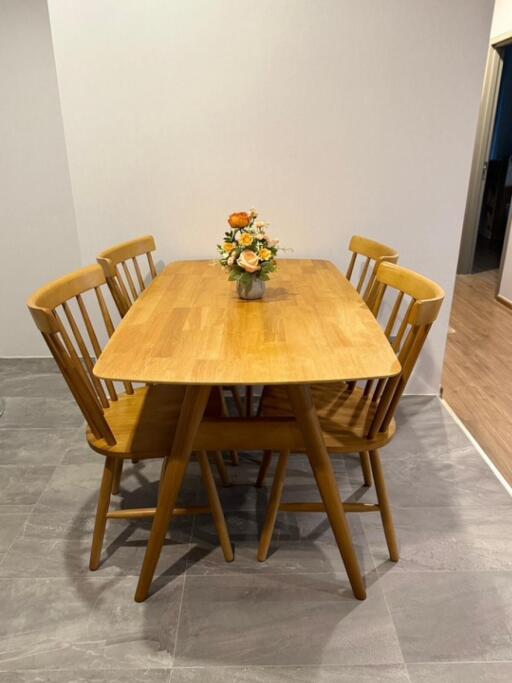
point(248, 253)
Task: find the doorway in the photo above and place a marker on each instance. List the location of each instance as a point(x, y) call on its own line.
point(490, 188)
point(497, 192)
point(477, 350)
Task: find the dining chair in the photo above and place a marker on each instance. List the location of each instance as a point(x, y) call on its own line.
point(360, 419)
point(122, 270)
point(373, 253)
point(138, 423)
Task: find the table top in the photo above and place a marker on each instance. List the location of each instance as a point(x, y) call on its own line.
point(190, 327)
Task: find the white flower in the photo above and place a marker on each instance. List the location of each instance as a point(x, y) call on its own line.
point(231, 258)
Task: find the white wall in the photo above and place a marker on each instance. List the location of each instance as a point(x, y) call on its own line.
point(501, 18)
point(332, 117)
point(37, 223)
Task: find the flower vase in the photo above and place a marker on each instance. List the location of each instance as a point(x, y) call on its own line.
point(255, 290)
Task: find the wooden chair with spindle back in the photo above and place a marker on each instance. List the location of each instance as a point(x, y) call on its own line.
point(115, 262)
point(361, 418)
point(373, 253)
point(137, 424)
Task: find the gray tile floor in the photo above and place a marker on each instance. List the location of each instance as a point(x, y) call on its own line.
point(444, 613)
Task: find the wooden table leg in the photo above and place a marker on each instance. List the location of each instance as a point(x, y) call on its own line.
point(191, 414)
point(307, 420)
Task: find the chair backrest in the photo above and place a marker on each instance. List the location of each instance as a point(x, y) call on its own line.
point(421, 298)
point(121, 281)
point(373, 253)
point(74, 341)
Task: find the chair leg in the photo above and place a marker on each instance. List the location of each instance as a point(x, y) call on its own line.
point(248, 400)
point(118, 470)
point(276, 494)
point(385, 508)
point(216, 507)
point(238, 401)
point(265, 464)
point(366, 468)
point(221, 468)
point(101, 512)
point(225, 413)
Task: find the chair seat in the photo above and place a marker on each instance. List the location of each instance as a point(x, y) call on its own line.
point(345, 415)
point(144, 423)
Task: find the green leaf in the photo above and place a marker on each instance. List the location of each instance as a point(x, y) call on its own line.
point(268, 267)
point(245, 280)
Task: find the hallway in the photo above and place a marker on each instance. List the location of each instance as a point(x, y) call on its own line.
point(477, 378)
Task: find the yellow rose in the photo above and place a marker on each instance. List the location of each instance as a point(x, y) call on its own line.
point(228, 247)
point(245, 239)
point(248, 260)
point(265, 254)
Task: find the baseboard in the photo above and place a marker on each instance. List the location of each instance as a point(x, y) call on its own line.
point(479, 448)
point(503, 300)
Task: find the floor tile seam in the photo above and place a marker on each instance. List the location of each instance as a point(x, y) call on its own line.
point(401, 572)
point(98, 668)
point(36, 503)
point(384, 597)
point(460, 661)
point(178, 667)
point(21, 532)
point(17, 536)
point(254, 574)
point(178, 618)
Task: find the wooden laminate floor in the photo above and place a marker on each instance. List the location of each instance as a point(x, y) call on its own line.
point(477, 379)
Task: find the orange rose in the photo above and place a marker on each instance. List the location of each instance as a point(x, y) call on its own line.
point(248, 260)
point(239, 220)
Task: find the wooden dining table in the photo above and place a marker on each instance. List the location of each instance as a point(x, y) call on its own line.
point(190, 328)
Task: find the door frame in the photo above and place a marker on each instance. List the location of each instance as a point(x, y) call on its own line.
point(481, 151)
